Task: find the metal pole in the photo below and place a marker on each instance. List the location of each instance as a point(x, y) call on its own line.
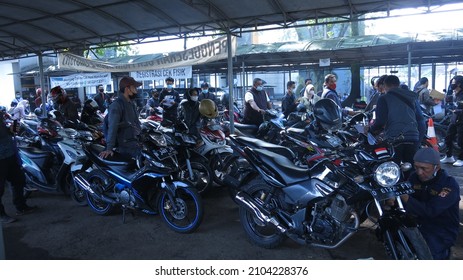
point(409, 66)
point(230, 81)
point(42, 83)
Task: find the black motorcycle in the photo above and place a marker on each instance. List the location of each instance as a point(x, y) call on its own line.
point(324, 206)
point(145, 185)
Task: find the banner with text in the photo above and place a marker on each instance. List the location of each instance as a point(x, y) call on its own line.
point(160, 74)
point(208, 52)
point(81, 80)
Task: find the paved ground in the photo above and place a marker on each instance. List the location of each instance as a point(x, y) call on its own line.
point(63, 230)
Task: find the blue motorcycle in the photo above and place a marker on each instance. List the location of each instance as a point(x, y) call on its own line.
point(144, 184)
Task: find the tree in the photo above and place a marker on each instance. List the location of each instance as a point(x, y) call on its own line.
point(110, 50)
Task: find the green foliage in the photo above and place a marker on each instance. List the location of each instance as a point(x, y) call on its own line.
point(111, 50)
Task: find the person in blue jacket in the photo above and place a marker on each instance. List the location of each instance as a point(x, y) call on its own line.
point(435, 202)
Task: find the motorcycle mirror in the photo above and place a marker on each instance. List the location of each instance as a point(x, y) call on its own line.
point(303, 117)
point(406, 166)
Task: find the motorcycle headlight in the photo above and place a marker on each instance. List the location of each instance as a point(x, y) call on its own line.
point(387, 174)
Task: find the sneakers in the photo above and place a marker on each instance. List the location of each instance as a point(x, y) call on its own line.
point(5, 219)
point(447, 159)
point(26, 210)
point(458, 163)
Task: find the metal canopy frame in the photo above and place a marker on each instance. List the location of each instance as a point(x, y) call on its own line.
point(32, 27)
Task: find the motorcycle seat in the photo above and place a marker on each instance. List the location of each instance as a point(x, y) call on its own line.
point(283, 167)
point(247, 129)
point(256, 143)
point(115, 160)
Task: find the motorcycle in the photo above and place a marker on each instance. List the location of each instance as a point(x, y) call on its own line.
point(215, 150)
point(144, 185)
point(324, 206)
point(269, 130)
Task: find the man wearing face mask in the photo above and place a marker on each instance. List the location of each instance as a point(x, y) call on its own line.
point(169, 102)
point(289, 103)
point(64, 104)
point(257, 101)
point(435, 203)
point(101, 99)
point(455, 128)
point(123, 125)
point(16, 100)
point(189, 112)
point(205, 93)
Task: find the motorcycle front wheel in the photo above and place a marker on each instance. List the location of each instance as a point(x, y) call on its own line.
point(97, 182)
point(222, 165)
point(262, 234)
point(202, 175)
point(184, 212)
point(406, 244)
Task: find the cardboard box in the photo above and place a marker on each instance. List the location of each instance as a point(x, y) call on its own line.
point(437, 94)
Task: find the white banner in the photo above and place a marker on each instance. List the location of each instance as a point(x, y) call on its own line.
point(176, 73)
point(208, 52)
point(81, 80)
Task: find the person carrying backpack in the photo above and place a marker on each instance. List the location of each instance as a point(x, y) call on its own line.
point(123, 125)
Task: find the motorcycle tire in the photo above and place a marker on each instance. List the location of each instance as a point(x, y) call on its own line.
point(78, 195)
point(260, 234)
point(406, 244)
point(96, 179)
point(222, 165)
point(202, 175)
point(189, 213)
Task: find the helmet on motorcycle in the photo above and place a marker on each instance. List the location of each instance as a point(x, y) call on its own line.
point(327, 114)
point(208, 108)
point(38, 111)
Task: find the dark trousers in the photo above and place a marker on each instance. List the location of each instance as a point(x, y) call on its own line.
point(454, 131)
point(10, 169)
point(404, 152)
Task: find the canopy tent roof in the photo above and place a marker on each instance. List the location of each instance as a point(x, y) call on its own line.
point(42, 25)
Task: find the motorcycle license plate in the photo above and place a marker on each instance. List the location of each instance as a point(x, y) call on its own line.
point(390, 192)
point(164, 153)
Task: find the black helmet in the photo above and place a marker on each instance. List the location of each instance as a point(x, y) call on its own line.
point(38, 111)
point(90, 106)
point(328, 114)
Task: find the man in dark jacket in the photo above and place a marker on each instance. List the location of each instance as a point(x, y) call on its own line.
point(10, 169)
point(435, 203)
point(102, 99)
point(289, 103)
point(189, 112)
point(64, 104)
point(206, 93)
point(257, 101)
point(398, 114)
point(455, 128)
point(123, 124)
point(169, 102)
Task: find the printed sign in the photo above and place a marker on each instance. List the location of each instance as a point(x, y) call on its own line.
point(81, 80)
point(176, 73)
point(208, 52)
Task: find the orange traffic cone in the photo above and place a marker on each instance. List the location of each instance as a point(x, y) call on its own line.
point(432, 135)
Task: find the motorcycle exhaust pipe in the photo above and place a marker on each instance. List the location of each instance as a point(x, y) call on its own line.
point(263, 215)
point(85, 185)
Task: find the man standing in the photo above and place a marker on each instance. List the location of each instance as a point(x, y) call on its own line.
point(169, 102)
point(64, 105)
point(10, 169)
point(455, 128)
point(124, 127)
point(423, 95)
point(205, 93)
point(289, 103)
point(399, 115)
point(435, 202)
point(101, 99)
point(257, 101)
point(329, 89)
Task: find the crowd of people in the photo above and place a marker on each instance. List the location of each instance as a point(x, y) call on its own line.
point(398, 116)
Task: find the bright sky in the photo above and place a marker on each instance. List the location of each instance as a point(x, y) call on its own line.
point(449, 20)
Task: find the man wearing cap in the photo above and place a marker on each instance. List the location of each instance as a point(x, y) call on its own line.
point(434, 202)
point(205, 93)
point(123, 125)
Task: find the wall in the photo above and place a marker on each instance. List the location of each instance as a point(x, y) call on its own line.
point(7, 82)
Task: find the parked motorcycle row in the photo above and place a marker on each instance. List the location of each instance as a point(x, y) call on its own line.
point(314, 186)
